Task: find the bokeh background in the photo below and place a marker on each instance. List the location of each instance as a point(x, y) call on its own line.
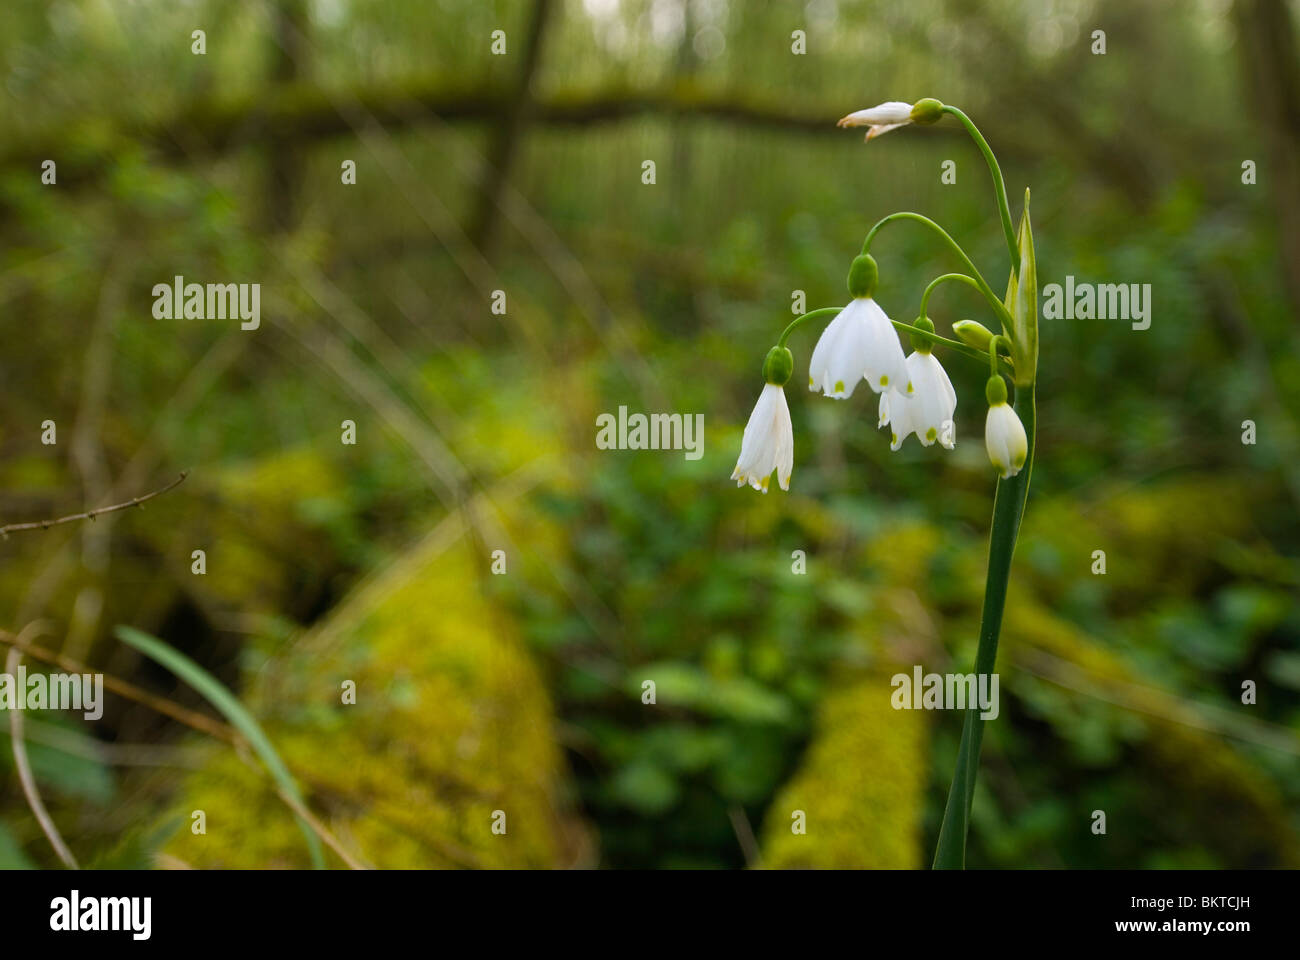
point(522, 172)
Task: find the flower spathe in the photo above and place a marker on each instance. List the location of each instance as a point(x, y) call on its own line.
point(859, 343)
point(880, 119)
point(928, 413)
point(1004, 437)
point(768, 442)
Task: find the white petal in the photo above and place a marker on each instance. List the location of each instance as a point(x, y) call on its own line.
point(880, 129)
point(948, 423)
point(1005, 440)
point(900, 418)
point(894, 112)
point(817, 365)
point(836, 365)
point(768, 442)
point(884, 365)
point(784, 442)
point(935, 396)
point(929, 411)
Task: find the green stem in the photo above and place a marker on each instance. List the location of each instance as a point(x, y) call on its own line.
point(965, 349)
point(998, 306)
point(798, 321)
point(999, 185)
point(1008, 509)
point(925, 297)
point(994, 342)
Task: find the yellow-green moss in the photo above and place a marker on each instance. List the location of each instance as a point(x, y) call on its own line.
point(451, 723)
point(860, 786)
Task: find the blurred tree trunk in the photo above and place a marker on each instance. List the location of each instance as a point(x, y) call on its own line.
point(1272, 85)
point(685, 73)
point(509, 134)
point(284, 158)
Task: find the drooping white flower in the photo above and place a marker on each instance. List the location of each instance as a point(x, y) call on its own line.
point(880, 119)
point(928, 412)
point(768, 443)
point(1004, 437)
point(859, 343)
point(890, 116)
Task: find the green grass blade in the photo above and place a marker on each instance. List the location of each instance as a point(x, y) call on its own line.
point(234, 712)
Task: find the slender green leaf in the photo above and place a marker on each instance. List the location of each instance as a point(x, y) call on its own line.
point(232, 710)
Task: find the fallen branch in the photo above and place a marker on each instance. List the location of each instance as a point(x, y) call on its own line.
point(302, 115)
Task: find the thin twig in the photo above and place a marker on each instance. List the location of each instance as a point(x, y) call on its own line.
point(24, 769)
point(307, 817)
point(745, 837)
point(92, 514)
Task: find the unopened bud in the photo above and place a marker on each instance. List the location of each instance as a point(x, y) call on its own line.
point(974, 333)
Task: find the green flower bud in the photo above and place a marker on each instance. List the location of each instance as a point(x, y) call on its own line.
point(921, 344)
point(928, 110)
point(863, 276)
point(778, 366)
point(974, 333)
point(995, 391)
point(1024, 307)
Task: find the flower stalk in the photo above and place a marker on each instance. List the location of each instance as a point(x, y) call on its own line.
point(1008, 509)
point(860, 343)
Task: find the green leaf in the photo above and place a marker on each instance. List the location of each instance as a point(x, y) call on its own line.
point(646, 787)
point(232, 710)
point(1024, 315)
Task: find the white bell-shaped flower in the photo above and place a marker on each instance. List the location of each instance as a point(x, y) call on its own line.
point(859, 343)
point(928, 413)
point(768, 443)
point(1004, 434)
